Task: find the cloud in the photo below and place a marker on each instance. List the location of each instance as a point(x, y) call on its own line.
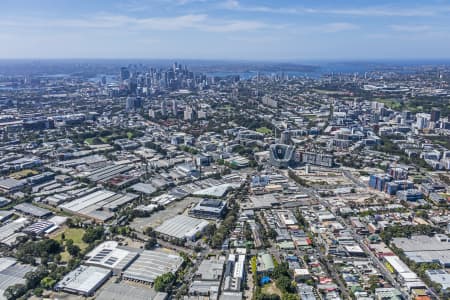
point(371, 11)
point(338, 27)
point(200, 22)
point(411, 28)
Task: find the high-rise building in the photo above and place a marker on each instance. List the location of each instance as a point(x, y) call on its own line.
point(163, 108)
point(285, 137)
point(174, 108)
point(189, 113)
point(133, 103)
point(124, 73)
point(201, 114)
point(435, 115)
point(422, 120)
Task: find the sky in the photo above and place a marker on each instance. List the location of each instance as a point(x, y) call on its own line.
point(277, 30)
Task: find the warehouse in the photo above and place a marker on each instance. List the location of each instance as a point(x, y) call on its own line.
point(29, 209)
point(182, 228)
point(8, 232)
point(39, 228)
point(123, 290)
point(99, 205)
point(205, 288)
point(4, 201)
point(426, 249)
point(218, 191)
point(109, 256)
point(439, 276)
point(108, 172)
point(151, 264)
point(144, 188)
point(11, 273)
point(10, 185)
point(210, 269)
point(84, 280)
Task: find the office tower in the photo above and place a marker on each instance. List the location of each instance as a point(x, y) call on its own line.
point(435, 115)
point(189, 114)
point(407, 115)
point(285, 137)
point(174, 108)
point(163, 108)
point(124, 73)
point(133, 103)
point(202, 114)
point(422, 120)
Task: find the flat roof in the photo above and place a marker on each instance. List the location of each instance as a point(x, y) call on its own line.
point(216, 191)
point(84, 279)
point(181, 226)
point(12, 272)
point(420, 243)
point(9, 229)
point(107, 255)
point(151, 264)
point(210, 269)
point(145, 188)
point(10, 183)
point(123, 290)
point(33, 210)
point(439, 276)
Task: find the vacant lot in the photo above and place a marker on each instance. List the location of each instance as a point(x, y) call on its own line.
point(271, 288)
point(23, 174)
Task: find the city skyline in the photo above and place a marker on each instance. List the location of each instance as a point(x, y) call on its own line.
point(226, 29)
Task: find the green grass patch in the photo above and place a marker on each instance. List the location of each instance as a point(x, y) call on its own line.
point(264, 130)
point(74, 234)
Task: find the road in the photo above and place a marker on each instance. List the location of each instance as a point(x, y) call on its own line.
point(387, 275)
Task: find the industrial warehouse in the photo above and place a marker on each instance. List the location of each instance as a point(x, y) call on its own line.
point(151, 264)
point(99, 205)
point(181, 228)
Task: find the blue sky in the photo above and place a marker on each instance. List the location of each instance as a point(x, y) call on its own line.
point(225, 29)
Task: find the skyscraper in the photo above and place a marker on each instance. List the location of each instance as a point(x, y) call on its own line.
point(163, 108)
point(435, 115)
point(124, 73)
point(174, 108)
point(133, 103)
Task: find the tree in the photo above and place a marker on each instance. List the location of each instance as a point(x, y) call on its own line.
point(93, 234)
point(33, 278)
point(288, 296)
point(38, 291)
point(280, 270)
point(164, 282)
point(43, 249)
point(73, 250)
point(15, 291)
point(151, 243)
point(284, 283)
point(373, 283)
point(150, 232)
point(48, 282)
